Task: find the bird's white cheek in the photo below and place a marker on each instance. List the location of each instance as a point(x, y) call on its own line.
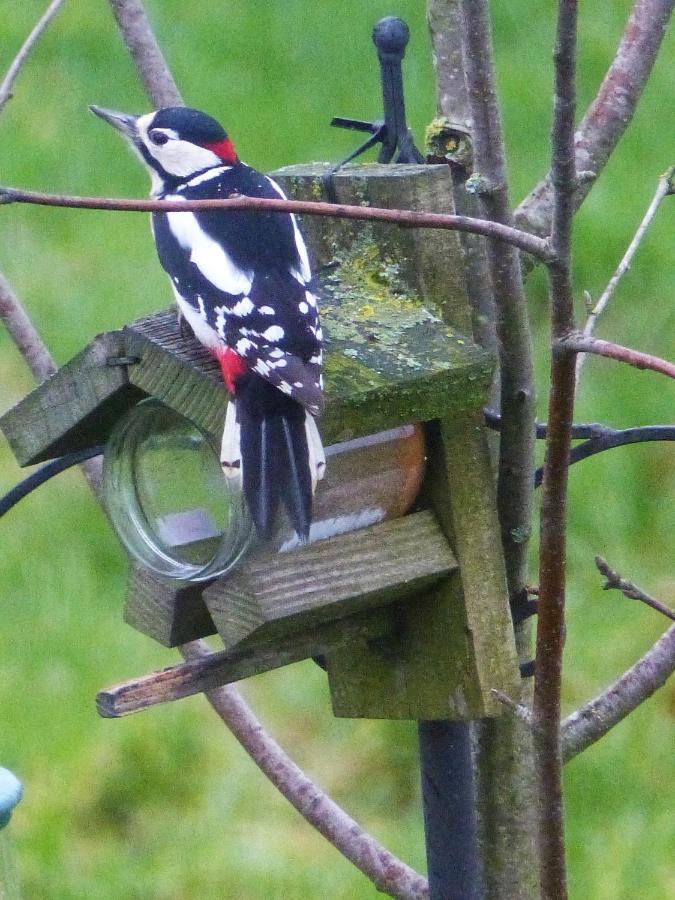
point(180, 158)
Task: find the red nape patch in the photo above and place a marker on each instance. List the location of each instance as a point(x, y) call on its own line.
point(225, 150)
point(232, 366)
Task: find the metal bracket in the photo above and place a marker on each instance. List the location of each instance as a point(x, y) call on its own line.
point(390, 36)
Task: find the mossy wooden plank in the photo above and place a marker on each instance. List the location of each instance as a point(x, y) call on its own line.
point(476, 539)
point(166, 611)
point(455, 643)
point(274, 596)
point(430, 261)
point(424, 672)
point(75, 408)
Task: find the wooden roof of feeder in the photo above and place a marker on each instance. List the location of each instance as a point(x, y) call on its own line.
point(393, 313)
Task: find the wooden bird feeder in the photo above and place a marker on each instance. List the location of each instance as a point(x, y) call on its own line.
point(409, 613)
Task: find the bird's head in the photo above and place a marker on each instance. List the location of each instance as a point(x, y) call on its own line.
point(175, 143)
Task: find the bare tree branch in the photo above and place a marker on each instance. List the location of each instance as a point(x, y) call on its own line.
point(664, 188)
point(146, 53)
point(516, 458)
point(551, 617)
point(24, 334)
point(630, 590)
point(388, 873)
point(8, 81)
point(404, 218)
point(504, 747)
point(610, 113)
point(579, 343)
point(588, 724)
point(444, 18)
point(524, 713)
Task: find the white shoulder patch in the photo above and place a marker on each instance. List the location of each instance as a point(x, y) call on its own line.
point(211, 259)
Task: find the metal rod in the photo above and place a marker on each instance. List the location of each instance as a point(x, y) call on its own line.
point(449, 801)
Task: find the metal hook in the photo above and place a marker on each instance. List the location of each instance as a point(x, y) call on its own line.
point(390, 36)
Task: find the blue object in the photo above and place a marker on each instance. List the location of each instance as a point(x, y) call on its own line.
point(11, 791)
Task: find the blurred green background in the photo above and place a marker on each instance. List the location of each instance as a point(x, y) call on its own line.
point(165, 805)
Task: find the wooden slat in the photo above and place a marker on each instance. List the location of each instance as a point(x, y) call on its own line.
point(75, 408)
point(227, 666)
point(293, 592)
point(166, 611)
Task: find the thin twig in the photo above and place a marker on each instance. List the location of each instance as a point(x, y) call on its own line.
point(24, 333)
point(406, 218)
point(588, 724)
point(551, 617)
point(664, 188)
point(524, 713)
point(579, 343)
point(146, 53)
point(21, 57)
point(610, 113)
point(630, 590)
point(504, 747)
point(388, 873)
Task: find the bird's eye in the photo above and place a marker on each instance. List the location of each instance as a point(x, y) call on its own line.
point(158, 137)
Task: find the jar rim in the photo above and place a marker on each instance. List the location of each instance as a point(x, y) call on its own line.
point(125, 507)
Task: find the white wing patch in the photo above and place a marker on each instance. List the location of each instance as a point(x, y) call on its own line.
point(209, 257)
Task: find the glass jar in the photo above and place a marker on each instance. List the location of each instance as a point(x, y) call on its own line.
point(177, 514)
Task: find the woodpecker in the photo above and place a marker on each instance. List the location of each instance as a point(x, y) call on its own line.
point(242, 281)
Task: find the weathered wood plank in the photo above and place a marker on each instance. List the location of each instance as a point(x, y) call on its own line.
point(456, 641)
point(290, 593)
point(166, 611)
point(226, 666)
point(477, 543)
point(430, 262)
point(75, 408)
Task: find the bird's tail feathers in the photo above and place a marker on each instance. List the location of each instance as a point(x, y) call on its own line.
point(275, 451)
point(230, 450)
point(317, 456)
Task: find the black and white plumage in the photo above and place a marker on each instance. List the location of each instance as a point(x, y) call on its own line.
point(243, 283)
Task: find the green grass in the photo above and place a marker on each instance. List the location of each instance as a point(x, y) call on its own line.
point(165, 804)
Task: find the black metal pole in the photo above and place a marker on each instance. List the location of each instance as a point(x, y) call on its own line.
point(449, 801)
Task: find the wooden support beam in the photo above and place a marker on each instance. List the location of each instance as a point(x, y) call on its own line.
point(226, 666)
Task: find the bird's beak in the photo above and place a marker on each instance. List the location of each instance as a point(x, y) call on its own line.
point(122, 122)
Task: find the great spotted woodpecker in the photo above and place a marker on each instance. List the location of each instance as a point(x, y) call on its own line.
point(243, 283)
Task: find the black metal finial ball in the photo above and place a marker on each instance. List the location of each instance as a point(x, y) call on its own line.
point(391, 36)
